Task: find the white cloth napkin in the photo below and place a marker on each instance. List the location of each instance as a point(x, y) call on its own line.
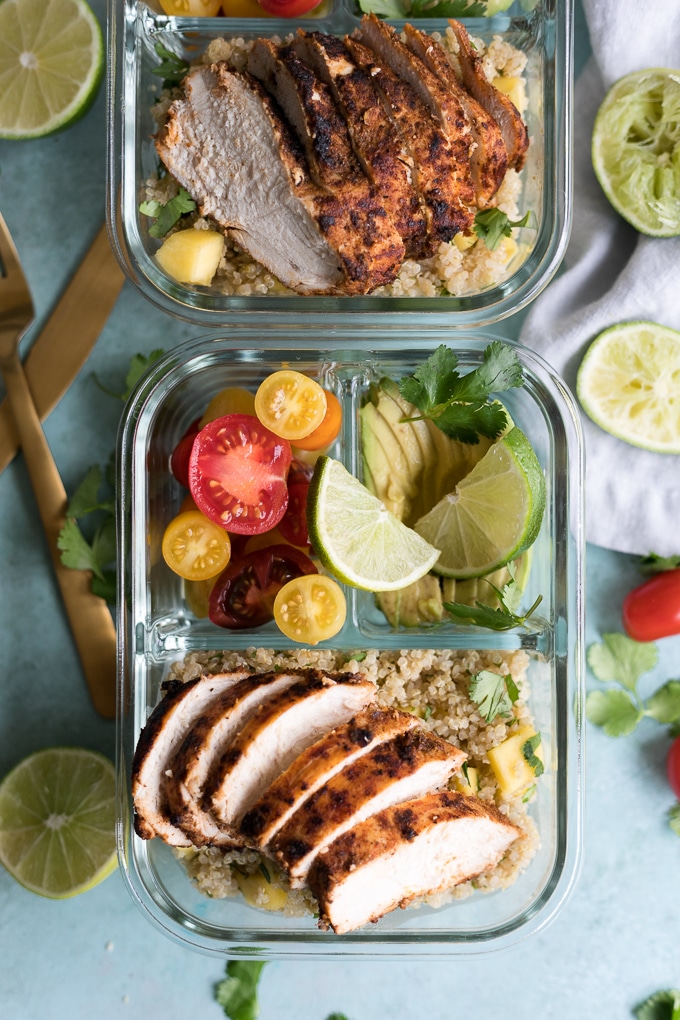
point(612, 274)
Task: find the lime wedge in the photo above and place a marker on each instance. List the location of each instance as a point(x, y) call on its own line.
point(636, 150)
point(629, 384)
point(51, 65)
point(356, 538)
point(492, 515)
point(57, 817)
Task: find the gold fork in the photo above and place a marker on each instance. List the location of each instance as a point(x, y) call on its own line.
point(89, 616)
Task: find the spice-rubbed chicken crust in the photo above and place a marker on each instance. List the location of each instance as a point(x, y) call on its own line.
point(414, 849)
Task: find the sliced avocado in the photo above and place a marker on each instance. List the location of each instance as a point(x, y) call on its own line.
point(475, 589)
point(419, 603)
point(389, 388)
point(404, 435)
point(386, 462)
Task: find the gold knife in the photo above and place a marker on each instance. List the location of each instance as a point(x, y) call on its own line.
point(70, 333)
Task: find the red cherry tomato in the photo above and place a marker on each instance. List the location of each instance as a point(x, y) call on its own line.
point(652, 610)
point(293, 524)
point(179, 459)
point(243, 595)
point(299, 472)
point(288, 8)
point(237, 474)
point(673, 767)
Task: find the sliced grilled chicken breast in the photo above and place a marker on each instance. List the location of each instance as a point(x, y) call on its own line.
point(204, 745)
point(227, 145)
point(164, 731)
point(409, 765)
point(380, 151)
point(488, 155)
point(443, 104)
point(278, 731)
point(319, 763)
point(496, 103)
point(371, 243)
point(414, 849)
point(430, 152)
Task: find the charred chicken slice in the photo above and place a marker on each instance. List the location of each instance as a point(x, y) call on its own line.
point(319, 763)
point(164, 731)
point(410, 850)
point(409, 765)
point(279, 730)
point(496, 103)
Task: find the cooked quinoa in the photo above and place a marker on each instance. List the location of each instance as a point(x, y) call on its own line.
point(431, 684)
point(455, 270)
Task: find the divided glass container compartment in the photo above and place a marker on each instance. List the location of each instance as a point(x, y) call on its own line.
point(540, 29)
point(156, 629)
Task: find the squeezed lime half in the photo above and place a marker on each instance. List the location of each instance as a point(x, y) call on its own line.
point(636, 150)
point(57, 821)
point(629, 384)
point(51, 65)
point(492, 515)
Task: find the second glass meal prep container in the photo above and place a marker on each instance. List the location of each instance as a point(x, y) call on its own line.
point(541, 30)
point(156, 628)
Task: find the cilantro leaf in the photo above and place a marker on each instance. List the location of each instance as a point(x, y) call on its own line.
point(622, 659)
point(530, 756)
point(664, 704)
point(138, 366)
point(654, 564)
point(660, 1006)
point(613, 710)
point(85, 500)
point(168, 213)
point(499, 619)
point(460, 405)
point(492, 693)
point(172, 67)
point(491, 225)
point(105, 587)
point(674, 818)
point(336, 1016)
point(76, 551)
point(237, 993)
point(448, 9)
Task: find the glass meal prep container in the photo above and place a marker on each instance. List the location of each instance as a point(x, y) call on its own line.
point(157, 629)
point(543, 33)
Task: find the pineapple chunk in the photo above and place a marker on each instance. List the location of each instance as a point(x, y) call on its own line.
point(510, 767)
point(191, 256)
point(467, 785)
point(464, 241)
point(258, 892)
point(513, 87)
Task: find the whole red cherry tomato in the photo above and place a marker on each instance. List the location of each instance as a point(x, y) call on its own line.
point(243, 594)
point(237, 474)
point(179, 459)
point(673, 767)
point(293, 524)
point(652, 610)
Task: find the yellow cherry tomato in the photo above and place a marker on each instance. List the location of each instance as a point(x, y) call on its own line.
point(192, 8)
point(290, 404)
point(232, 400)
point(310, 608)
point(327, 432)
point(197, 596)
point(194, 547)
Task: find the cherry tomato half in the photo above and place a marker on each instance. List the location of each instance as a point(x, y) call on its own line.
point(243, 595)
point(673, 767)
point(293, 524)
point(237, 474)
point(290, 404)
point(652, 610)
point(243, 9)
point(327, 432)
point(289, 8)
point(179, 458)
point(310, 609)
point(194, 547)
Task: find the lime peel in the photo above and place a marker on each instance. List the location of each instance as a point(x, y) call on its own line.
point(628, 383)
point(356, 538)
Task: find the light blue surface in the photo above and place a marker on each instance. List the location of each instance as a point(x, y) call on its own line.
point(615, 941)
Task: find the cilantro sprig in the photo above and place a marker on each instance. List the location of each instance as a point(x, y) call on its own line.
point(491, 225)
point(654, 564)
point(458, 404)
point(529, 754)
point(237, 992)
point(99, 554)
point(663, 1005)
point(166, 214)
point(493, 693)
point(504, 617)
point(172, 68)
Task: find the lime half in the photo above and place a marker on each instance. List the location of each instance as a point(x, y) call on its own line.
point(357, 538)
point(57, 818)
point(636, 150)
point(629, 384)
point(51, 65)
point(492, 515)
